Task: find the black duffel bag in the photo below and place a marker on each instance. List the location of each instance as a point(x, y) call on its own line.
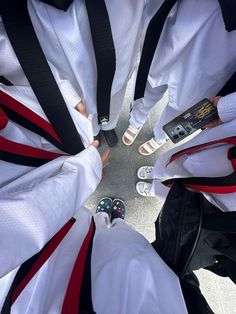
point(191, 233)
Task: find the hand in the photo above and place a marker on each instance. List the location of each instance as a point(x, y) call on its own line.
point(217, 121)
point(105, 157)
point(82, 109)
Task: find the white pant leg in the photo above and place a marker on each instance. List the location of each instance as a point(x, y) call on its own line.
point(101, 221)
point(167, 115)
point(117, 101)
point(142, 107)
point(119, 222)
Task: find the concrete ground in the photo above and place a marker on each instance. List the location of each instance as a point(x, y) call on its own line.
point(120, 180)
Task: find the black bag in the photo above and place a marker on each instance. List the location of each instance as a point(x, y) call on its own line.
point(191, 233)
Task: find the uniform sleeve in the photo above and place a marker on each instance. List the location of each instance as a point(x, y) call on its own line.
point(34, 207)
point(227, 108)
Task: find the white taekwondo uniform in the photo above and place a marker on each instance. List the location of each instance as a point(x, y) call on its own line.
point(66, 41)
point(209, 162)
point(194, 59)
point(127, 274)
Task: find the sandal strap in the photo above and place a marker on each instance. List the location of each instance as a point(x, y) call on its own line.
point(150, 146)
point(129, 136)
point(133, 130)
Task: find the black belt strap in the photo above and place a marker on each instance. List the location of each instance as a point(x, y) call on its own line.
point(5, 81)
point(228, 8)
point(105, 55)
point(152, 37)
point(21, 33)
point(59, 4)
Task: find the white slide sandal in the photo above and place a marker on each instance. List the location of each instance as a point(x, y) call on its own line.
point(143, 188)
point(150, 147)
point(145, 172)
point(130, 135)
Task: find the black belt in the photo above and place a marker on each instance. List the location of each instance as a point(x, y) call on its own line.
point(21, 33)
point(151, 40)
point(104, 50)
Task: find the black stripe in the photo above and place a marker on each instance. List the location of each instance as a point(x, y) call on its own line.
point(5, 81)
point(228, 8)
point(22, 160)
point(59, 4)
point(25, 43)
point(23, 121)
point(23, 271)
point(86, 304)
point(152, 37)
point(229, 180)
point(21, 274)
point(104, 49)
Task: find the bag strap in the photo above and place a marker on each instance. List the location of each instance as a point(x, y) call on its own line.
point(25, 43)
point(151, 40)
point(29, 268)
point(217, 185)
point(105, 56)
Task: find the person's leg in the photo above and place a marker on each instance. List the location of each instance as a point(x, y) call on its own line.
point(101, 221)
point(103, 212)
point(140, 111)
point(115, 109)
point(167, 115)
point(142, 107)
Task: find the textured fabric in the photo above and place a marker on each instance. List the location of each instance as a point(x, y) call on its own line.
point(119, 254)
point(17, 133)
point(187, 61)
point(227, 108)
point(210, 162)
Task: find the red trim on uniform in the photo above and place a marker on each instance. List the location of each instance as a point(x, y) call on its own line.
point(25, 150)
point(21, 109)
point(71, 300)
point(228, 140)
point(3, 119)
point(46, 253)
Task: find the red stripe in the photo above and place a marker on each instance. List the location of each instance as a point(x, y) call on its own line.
point(25, 150)
point(21, 109)
point(46, 253)
point(72, 299)
point(3, 119)
point(233, 162)
point(229, 140)
point(209, 189)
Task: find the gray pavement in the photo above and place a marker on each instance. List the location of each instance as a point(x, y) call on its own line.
point(120, 180)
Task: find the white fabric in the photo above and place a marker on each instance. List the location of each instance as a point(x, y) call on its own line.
point(17, 133)
point(36, 202)
point(127, 274)
point(209, 162)
point(66, 41)
point(195, 57)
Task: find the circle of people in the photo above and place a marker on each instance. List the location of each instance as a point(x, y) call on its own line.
point(96, 263)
